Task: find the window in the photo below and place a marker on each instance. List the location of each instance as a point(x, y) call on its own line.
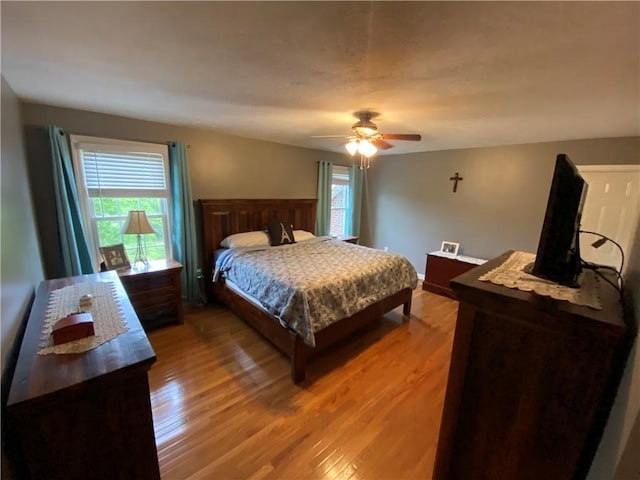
point(340, 201)
point(114, 177)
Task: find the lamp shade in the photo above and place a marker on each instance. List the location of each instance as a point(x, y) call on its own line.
point(367, 148)
point(137, 222)
point(352, 147)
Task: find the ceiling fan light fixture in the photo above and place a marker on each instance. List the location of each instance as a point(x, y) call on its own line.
point(352, 147)
point(364, 126)
point(366, 148)
point(365, 139)
point(365, 130)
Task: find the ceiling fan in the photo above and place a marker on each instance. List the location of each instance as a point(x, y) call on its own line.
point(366, 139)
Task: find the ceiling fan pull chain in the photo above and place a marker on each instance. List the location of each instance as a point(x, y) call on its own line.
point(365, 162)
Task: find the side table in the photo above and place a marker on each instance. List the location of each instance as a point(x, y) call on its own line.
point(155, 292)
point(442, 267)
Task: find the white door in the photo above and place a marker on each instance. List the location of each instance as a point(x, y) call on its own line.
point(612, 209)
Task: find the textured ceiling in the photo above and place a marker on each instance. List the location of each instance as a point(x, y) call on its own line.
point(460, 74)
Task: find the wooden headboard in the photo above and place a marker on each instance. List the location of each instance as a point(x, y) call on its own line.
point(221, 218)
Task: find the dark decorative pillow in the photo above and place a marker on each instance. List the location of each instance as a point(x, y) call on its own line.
point(280, 233)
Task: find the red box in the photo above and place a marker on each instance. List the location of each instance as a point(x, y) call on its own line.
point(72, 327)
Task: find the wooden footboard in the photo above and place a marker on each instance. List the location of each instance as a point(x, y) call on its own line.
point(291, 344)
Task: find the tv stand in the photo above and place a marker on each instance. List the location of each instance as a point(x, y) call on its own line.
point(531, 382)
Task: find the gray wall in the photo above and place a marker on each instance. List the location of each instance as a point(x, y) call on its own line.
point(221, 166)
point(409, 205)
point(21, 265)
point(20, 259)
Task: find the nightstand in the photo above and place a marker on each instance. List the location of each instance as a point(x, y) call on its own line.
point(442, 267)
point(155, 292)
point(348, 238)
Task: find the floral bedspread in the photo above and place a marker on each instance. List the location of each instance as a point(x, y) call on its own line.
point(311, 284)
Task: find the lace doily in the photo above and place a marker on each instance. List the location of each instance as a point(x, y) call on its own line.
point(108, 321)
point(511, 274)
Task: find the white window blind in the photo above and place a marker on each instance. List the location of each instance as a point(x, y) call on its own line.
point(123, 169)
point(340, 175)
point(111, 174)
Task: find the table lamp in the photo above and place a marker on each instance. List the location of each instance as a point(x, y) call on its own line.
point(138, 223)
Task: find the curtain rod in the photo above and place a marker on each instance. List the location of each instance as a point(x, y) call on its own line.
point(63, 132)
point(171, 141)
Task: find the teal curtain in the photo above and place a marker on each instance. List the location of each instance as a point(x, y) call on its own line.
point(323, 212)
point(355, 201)
point(183, 238)
point(74, 251)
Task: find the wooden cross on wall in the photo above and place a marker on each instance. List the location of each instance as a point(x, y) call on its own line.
point(456, 178)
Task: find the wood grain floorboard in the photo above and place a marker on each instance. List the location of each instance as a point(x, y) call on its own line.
point(224, 406)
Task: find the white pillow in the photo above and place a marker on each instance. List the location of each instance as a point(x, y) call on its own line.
point(246, 239)
point(302, 235)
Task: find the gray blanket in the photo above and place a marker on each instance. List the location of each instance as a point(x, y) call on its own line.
point(312, 284)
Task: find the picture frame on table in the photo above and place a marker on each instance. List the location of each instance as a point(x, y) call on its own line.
point(450, 247)
point(115, 257)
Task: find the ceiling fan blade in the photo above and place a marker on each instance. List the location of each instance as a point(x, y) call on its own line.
point(402, 136)
point(381, 144)
point(329, 136)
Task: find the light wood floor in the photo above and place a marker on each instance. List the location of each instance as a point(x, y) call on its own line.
point(224, 405)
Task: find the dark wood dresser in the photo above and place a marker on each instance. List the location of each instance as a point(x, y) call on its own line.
point(85, 415)
point(155, 292)
point(441, 268)
point(531, 382)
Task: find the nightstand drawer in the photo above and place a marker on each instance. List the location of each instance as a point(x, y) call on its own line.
point(167, 306)
point(145, 300)
point(148, 282)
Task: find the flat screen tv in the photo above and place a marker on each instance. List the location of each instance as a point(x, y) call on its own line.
point(558, 256)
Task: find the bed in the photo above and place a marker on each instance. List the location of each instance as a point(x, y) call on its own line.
point(222, 218)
